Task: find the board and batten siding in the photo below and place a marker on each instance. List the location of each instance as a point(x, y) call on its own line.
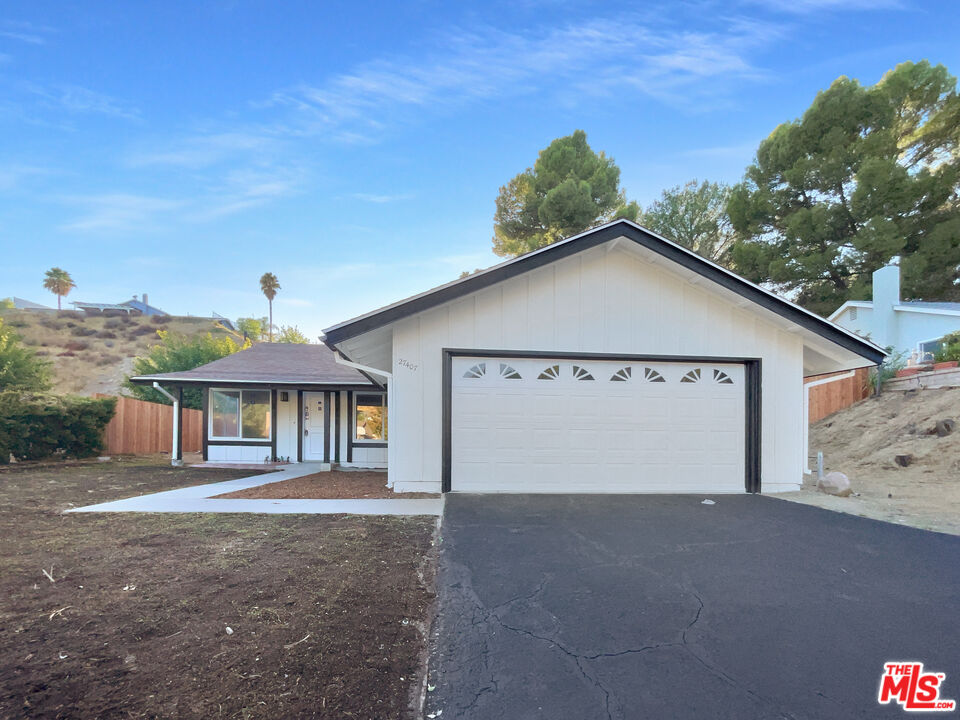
point(598, 301)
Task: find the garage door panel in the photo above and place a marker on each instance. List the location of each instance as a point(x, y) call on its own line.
point(635, 427)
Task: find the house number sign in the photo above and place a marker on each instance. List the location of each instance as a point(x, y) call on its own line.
point(403, 362)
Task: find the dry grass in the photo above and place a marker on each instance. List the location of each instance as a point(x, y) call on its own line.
point(92, 354)
point(862, 442)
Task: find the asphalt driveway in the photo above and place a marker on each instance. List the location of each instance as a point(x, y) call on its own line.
point(582, 607)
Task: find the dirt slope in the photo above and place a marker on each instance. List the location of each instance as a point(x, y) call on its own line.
point(92, 354)
point(862, 442)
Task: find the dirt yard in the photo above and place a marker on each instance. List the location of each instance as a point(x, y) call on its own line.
point(862, 442)
point(202, 616)
point(327, 486)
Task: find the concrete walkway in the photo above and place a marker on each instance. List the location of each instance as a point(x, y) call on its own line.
point(198, 499)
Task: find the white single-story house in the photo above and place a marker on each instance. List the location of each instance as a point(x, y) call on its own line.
point(911, 327)
point(612, 361)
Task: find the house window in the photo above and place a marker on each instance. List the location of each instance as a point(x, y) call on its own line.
point(240, 414)
point(370, 417)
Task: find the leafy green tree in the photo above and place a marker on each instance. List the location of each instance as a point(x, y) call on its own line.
point(569, 189)
point(177, 352)
point(269, 286)
point(7, 304)
point(868, 173)
point(252, 328)
point(20, 368)
point(59, 282)
point(291, 334)
point(695, 216)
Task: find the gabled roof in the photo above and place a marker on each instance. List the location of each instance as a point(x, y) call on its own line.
point(268, 363)
point(917, 306)
point(589, 239)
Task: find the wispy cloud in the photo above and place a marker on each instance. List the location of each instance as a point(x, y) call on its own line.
point(205, 150)
point(117, 212)
point(623, 53)
point(244, 189)
point(14, 176)
point(25, 32)
point(77, 100)
point(805, 7)
point(381, 199)
point(294, 302)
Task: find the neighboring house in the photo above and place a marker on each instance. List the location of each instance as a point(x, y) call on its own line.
point(612, 361)
point(21, 304)
point(287, 400)
point(134, 305)
point(907, 326)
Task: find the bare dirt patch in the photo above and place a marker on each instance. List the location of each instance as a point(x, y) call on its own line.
point(327, 612)
point(327, 486)
point(862, 442)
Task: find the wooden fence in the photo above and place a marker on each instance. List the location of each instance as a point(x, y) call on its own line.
point(145, 428)
point(828, 398)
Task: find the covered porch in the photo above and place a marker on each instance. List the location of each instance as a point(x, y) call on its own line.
point(279, 403)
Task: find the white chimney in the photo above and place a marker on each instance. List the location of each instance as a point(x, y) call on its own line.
point(886, 295)
point(145, 299)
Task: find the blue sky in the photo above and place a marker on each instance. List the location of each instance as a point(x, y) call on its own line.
point(356, 149)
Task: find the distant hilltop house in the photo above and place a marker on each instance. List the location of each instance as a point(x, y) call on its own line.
point(138, 306)
point(134, 305)
point(21, 304)
point(914, 328)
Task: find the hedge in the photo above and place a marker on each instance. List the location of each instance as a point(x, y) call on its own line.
point(34, 426)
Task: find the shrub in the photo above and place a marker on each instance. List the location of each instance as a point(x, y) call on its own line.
point(51, 323)
point(34, 426)
point(160, 319)
point(888, 368)
point(178, 352)
point(72, 314)
point(76, 346)
point(107, 334)
point(109, 343)
point(141, 330)
point(949, 349)
point(113, 323)
point(83, 331)
point(20, 368)
point(17, 323)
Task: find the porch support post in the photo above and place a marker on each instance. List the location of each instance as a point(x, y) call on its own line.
point(299, 425)
point(205, 417)
point(336, 426)
point(273, 424)
point(178, 428)
point(326, 427)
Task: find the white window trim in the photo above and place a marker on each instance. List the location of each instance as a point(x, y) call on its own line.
point(237, 438)
point(353, 418)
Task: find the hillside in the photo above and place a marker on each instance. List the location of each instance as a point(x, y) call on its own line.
point(92, 354)
point(862, 442)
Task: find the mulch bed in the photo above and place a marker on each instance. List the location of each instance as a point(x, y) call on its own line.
point(332, 485)
point(327, 612)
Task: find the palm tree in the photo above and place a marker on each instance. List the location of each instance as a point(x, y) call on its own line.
point(269, 286)
point(58, 282)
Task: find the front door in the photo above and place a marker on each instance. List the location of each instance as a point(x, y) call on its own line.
point(313, 425)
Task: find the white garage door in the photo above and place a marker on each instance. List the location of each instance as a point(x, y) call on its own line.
point(578, 426)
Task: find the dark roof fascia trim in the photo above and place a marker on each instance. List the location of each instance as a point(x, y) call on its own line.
point(253, 384)
point(592, 239)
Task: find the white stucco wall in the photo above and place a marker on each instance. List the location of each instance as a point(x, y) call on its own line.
point(600, 300)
